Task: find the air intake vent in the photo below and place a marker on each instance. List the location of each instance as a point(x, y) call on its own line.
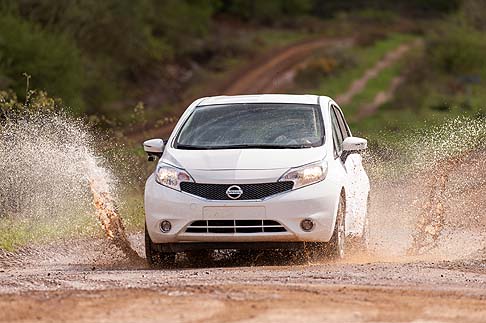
point(235, 226)
point(249, 191)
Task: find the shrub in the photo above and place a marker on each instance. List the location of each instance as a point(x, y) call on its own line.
point(53, 60)
point(457, 49)
point(312, 73)
point(37, 101)
point(322, 67)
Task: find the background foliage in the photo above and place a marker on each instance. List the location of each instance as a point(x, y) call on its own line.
point(101, 56)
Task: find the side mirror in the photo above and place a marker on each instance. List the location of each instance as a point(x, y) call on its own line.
point(154, 148)
point(354, 144)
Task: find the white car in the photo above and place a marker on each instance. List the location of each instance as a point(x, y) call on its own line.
point(256, 172)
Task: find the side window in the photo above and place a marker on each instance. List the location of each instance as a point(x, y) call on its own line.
point(336, 134)
point(343, 126)
point(342, 123)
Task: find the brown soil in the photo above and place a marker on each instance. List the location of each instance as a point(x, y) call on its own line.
point(71, 288)
point(90, 281)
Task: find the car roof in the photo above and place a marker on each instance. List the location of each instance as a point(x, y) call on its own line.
point(261, 98)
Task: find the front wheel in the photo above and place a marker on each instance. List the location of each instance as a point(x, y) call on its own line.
point(155, 258)
point(336, 246)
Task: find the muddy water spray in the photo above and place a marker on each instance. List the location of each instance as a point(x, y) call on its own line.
point(419, 204)
point(49, 169)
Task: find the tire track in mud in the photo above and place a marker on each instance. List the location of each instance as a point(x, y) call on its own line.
point(387, 94)
point(359, 85)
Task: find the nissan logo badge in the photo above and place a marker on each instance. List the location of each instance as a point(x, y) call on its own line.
point(234, 192)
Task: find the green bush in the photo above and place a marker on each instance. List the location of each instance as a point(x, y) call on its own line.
point(37, 101)
point(457, 49)
point(52, 60)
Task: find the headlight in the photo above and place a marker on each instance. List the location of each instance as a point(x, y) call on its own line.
point(306, 175)
point(171, 176)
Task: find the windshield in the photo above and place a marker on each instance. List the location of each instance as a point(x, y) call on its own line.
point(252, 125)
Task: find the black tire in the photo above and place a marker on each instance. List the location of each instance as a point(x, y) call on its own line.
point(155, 258)
point(337, 245)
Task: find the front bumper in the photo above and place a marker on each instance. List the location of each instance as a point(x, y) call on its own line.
point(317, 202)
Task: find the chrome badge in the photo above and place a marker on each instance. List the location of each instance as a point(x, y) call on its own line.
point(234, 192)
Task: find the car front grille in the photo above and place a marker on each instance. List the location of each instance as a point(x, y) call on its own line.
point(249, 191)
point(235, 226)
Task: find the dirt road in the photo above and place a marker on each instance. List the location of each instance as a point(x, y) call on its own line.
point(88, 280)
point(274, 73)
point(334, 292)
point(65, 284)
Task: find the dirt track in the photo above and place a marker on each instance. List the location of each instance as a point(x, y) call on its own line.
point(70, 285)
point(273, 73)
point(88, 281)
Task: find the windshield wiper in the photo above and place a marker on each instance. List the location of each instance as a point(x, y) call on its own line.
point(194, 147)
point(244, 146)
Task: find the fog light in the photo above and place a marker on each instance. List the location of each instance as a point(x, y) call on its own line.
point(165, 226)
point(307, 225)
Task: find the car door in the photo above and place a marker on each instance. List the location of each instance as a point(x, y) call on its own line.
point(357, 183)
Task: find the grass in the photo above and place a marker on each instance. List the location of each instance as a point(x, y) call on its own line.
point(131, 211)
point(380, 83)
point(365, 58)
point(19, 232)
point(16, 232)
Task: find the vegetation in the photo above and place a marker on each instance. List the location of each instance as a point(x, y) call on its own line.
point(18, 232)
point(443, 80)
point(334, 72)
point(101, 56)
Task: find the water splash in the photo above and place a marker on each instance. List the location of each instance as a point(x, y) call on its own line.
point(432, 218)
point(424, 198)
point(107, 213)
point(50, 170)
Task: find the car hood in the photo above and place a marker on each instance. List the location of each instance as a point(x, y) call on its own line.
point(242, 159)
